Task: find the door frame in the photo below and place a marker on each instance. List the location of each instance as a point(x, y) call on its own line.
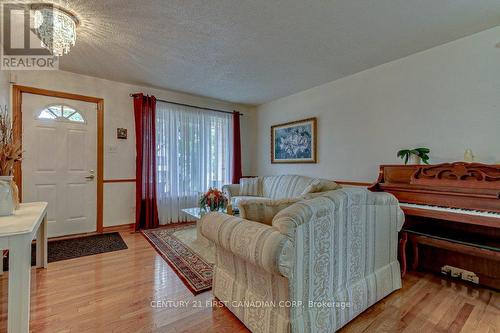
point(17, 127)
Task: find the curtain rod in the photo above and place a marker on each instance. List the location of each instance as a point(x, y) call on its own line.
point(195, 106)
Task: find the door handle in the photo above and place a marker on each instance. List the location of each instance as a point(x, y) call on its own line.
point(91, 177)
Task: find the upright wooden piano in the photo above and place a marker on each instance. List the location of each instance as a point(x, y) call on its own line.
point(452, 217)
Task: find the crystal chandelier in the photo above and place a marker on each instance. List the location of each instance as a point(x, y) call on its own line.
point(56, 28)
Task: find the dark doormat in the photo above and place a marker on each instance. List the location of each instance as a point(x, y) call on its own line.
point(78, 247)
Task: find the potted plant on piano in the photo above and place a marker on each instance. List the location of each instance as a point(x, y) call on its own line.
point(415, 155)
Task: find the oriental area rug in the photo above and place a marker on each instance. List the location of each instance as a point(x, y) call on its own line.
point(191, 260)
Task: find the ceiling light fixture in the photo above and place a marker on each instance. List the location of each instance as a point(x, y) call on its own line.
point(56, 28)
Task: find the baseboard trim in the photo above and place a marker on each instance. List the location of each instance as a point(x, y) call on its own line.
point(121, 227)
point(125, 180)
point(105, 230)
point(85, 234)
point(342, 182)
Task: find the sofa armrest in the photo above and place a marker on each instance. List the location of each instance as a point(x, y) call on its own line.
point(387, 199)
point(231, 190)
point(289, 219)
point(257, 243)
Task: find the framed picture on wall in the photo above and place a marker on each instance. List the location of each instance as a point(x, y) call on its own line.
point(294, 142)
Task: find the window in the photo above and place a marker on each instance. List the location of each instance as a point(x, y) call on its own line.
point(62, 113)
point(193, 154)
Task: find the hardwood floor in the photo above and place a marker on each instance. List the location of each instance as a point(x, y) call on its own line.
point(113, 292)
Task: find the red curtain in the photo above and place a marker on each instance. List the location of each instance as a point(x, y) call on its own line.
point(236, 167)
point(146, 214)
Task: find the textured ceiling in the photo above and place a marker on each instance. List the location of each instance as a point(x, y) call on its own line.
point(253, 51)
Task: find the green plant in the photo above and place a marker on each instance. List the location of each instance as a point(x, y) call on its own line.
point(420, 152)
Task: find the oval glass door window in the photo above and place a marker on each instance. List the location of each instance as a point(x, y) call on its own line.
point(61, 112)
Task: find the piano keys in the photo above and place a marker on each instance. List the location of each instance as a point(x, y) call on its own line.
point(485, 218)
point(452, 216)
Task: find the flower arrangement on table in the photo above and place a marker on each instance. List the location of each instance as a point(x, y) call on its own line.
point(214, 200)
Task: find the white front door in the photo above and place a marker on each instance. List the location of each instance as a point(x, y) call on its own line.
point(60, 161)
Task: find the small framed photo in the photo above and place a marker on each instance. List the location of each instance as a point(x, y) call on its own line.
point(294, 142)
point(121, 133)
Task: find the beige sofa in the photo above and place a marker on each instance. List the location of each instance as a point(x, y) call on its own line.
point(276, 187)
point(321, 263)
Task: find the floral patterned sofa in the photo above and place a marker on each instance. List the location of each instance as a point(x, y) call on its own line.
point(319, 264)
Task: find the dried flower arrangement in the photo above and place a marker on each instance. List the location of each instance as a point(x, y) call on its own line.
point(10, 151)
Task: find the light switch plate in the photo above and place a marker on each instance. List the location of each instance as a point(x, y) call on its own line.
point(112, 149)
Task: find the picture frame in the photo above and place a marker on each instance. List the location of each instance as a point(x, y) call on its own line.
point(294, 142)
point(121, 133)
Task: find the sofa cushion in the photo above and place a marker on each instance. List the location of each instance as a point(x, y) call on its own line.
point(236, 200)
point(313, 195)
point(292, 186)
point(263, 211)
point(284, 186)
point(249, 186)
point(321, 185)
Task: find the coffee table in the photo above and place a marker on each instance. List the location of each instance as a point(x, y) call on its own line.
point(196, 214)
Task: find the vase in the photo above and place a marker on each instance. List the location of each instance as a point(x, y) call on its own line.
point(468, 156)
point(414, 159)
point(15, 195)
point(214, 209)
point(6, 196)
point(211, 209)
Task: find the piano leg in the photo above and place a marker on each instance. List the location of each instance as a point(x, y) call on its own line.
point(402, 252)
point(414, 243)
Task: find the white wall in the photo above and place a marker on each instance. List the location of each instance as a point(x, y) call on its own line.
point(4, 89)
point(119, 155)
point(446, 98)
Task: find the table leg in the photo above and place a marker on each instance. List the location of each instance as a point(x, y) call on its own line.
point(19, 285)
point(41, 244)
point(1, 262)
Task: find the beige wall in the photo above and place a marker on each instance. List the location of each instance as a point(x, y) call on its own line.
point(4, 89)
point(119, 155)
point(446, 98)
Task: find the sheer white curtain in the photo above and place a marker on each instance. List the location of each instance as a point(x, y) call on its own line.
point(194, 148)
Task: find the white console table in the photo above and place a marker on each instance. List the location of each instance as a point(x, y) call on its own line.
point(16, 234)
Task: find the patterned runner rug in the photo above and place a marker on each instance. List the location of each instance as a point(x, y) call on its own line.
point(192, 261)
